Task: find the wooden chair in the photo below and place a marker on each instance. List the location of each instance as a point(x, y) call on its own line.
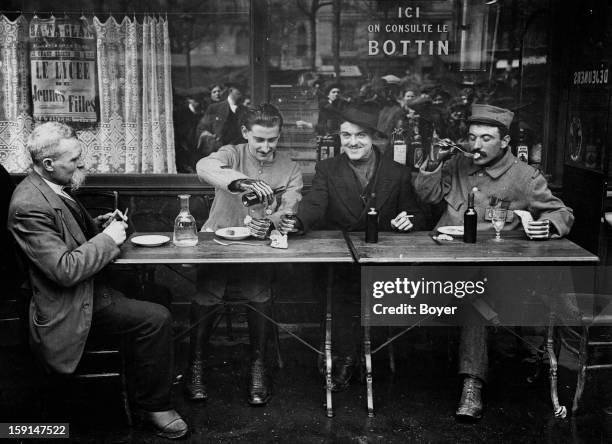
point(584, 191)
point(560, 332)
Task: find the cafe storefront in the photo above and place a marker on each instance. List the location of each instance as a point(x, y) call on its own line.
point(532, 57)
point(135, 79)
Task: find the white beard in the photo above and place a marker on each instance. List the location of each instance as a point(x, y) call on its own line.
point(77, 180)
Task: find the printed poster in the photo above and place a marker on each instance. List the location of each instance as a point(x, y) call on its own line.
point(63, 67)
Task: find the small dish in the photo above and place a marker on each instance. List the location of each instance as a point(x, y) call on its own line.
point(451, 230)
point(233, 233)
point(150, 240)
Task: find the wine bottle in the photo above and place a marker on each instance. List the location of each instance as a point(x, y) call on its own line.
point(470, 220)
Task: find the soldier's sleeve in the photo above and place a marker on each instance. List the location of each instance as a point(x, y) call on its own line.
point(433, 186)
point(218, 169)
point(543, 205)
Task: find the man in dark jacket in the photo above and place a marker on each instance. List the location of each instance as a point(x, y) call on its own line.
point(343, 191)
point(221, 123)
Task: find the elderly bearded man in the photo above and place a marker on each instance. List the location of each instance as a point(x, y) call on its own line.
point(66, 255)
point(500, 179)
point(343, 189)
point(256, 167)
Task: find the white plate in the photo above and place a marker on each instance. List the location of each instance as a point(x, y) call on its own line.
point(452, 230)
point(150, 240)
point(233, 233)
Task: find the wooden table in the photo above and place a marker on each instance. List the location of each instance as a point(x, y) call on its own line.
point(327, 247)
point(420, 248)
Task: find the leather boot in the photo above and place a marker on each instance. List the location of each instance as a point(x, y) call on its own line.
point(194, 386)
point(258, 386)
point(470, 405)
point(342, 373)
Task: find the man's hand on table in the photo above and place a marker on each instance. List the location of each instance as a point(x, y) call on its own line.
point(538, 229)
point(402, 222)
point(259, 228)
point(116, 230)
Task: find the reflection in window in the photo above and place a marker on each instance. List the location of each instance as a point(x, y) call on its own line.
point(347, 37)
point(242, 42)
point(301, 43)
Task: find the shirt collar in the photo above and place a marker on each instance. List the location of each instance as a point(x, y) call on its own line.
point(498, 168)
point(256, 160)
point(232, 105)
point(57, 189)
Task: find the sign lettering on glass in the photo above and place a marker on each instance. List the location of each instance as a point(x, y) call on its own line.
point(63, 66)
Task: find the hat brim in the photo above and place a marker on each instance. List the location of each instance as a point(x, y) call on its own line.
point(485, 121)
point(343, 117)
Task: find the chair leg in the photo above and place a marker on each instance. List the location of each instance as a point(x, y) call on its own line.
point(391, 350)
point(276, 340)
point(228, 323)
point(538, 364)
point(582, 363)
point(559, 410)
point(124, 391)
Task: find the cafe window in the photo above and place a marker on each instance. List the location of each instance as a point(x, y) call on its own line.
point(452, 53)
point(301, 43)
point(242, 42)
point(347, 37)
point(133, 84)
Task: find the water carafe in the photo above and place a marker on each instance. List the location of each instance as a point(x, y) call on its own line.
point(185, 230)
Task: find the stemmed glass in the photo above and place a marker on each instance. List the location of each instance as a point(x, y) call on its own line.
point(498, 220)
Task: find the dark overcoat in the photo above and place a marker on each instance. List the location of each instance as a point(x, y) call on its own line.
point(336, 202)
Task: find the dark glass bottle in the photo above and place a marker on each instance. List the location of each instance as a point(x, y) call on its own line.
point(372, 226)
point(250, 198)
point(470, 221)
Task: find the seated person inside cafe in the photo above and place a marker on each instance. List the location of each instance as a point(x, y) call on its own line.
point(257, 168)
point(343, 190)
point(498, 179)
point(66, 252)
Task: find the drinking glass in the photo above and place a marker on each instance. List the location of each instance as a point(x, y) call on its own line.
point(498, 220)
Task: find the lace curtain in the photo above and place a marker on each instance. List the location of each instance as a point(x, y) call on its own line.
point(15, 113)
point(135, 133)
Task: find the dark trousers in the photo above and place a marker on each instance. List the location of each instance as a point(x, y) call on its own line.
point(148, 329)
point(347, 333)
point(473, 351)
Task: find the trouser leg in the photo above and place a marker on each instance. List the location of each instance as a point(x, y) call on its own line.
point(148, 331)
point(259, 333)
point(473, 352)
point(202, 319)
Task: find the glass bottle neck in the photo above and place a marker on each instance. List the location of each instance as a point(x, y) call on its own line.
point(184, 202)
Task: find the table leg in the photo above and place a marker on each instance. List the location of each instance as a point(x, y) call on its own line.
point(559, 410)
point(328, 349)
point(367, 349)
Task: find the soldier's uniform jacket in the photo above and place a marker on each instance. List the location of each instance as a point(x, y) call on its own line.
point(233, 162)
point(509, 182)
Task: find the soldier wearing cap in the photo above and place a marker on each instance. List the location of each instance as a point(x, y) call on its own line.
point(500, 180)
